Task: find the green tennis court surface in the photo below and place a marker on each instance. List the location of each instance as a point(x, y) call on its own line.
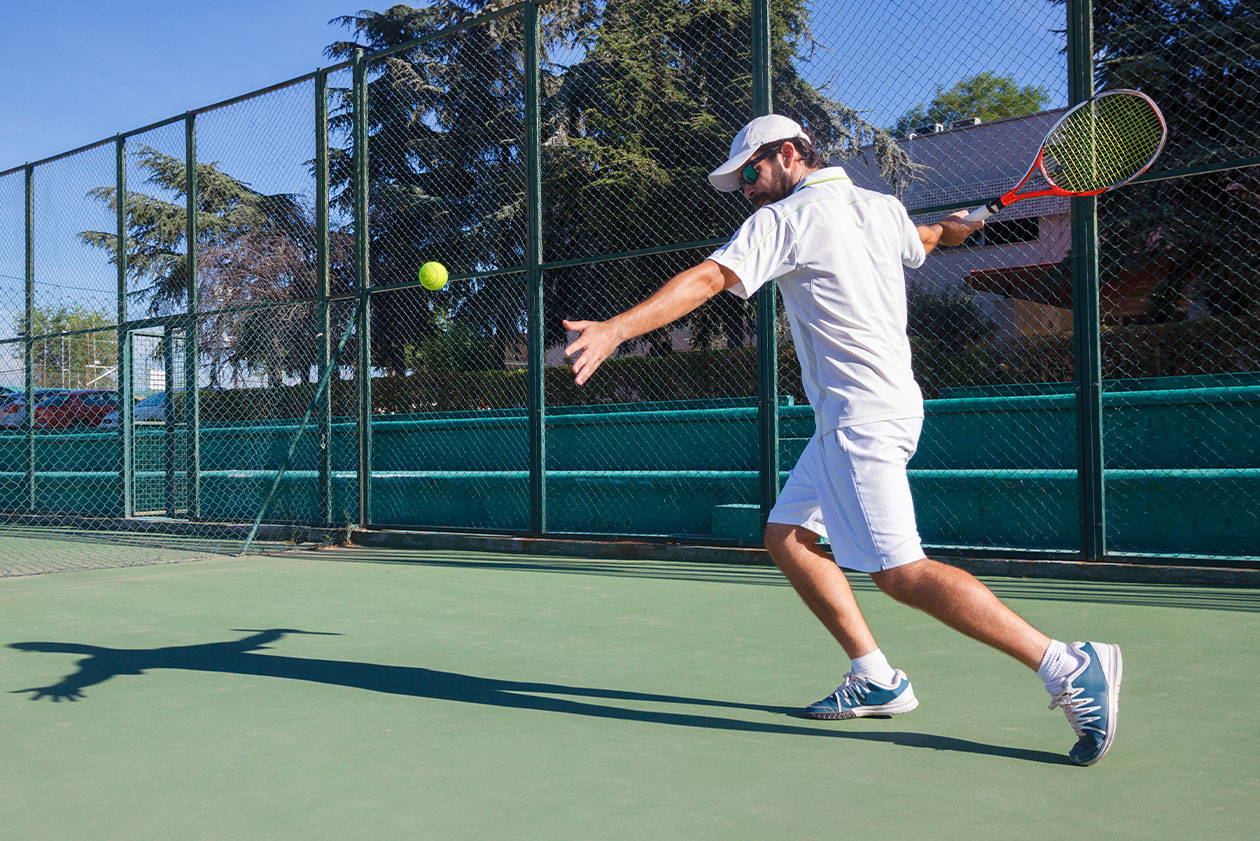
point(404, 694)
point(34, 551)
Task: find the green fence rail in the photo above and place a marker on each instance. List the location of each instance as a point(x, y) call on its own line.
point(212, 324)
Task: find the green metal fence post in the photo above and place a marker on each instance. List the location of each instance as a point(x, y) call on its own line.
point(534, 280)
point(767, 297)
point(1085, 310)
point(323, 282)
point(28, 346)
point(173, 407)
point(126, 457)
point(363, 321)
point(192, 401)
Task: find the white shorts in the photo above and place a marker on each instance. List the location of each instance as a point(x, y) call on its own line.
point(850, 486)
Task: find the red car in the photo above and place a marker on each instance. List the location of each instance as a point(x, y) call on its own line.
point(74, 409)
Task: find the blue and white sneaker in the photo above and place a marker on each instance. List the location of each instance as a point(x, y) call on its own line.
point(861, 696)
point(1090, 698)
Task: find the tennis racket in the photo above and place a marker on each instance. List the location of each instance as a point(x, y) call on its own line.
point(1098, 145)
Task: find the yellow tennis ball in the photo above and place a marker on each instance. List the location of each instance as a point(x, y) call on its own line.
point(433, 275)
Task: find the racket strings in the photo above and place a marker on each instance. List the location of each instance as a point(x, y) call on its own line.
point(1104, 143)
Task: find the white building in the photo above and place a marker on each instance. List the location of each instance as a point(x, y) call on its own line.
point(1011, 263)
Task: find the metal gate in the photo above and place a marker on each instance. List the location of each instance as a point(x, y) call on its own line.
point(157, 423)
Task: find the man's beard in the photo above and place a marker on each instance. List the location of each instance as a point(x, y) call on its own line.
point(777, 185)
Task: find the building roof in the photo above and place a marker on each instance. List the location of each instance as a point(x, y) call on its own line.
point(968, 164)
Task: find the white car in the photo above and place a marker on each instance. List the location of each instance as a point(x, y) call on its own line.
point(151, 408)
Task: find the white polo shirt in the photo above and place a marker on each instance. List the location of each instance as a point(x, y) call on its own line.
point(837, 252)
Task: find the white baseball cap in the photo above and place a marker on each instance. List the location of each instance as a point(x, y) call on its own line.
point(752, 137)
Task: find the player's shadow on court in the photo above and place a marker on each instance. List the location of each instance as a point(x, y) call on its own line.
point(99, 664)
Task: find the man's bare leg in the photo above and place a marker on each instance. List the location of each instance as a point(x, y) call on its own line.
point(1083, 678)
point(957, 598)
point(821, 585)
point(872, 687)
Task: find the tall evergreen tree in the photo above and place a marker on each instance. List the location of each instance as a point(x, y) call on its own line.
point(646, 104)
point(446, 166)
point(252, 248)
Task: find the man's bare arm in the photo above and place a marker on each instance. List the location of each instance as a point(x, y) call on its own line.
point(680, 295)
point(952, 230)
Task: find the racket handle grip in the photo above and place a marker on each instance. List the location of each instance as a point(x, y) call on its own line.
point(983, 212)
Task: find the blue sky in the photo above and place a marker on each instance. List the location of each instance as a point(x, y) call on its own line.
point(77, 71)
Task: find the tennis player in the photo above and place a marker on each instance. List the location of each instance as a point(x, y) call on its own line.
point(837, 253)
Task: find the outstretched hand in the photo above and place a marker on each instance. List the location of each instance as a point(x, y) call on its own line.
point(597, 341)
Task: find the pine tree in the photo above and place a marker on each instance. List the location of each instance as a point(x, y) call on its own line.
point(645, 106)
point(252, 248)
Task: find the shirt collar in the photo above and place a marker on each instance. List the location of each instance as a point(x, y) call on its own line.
point(827, 173)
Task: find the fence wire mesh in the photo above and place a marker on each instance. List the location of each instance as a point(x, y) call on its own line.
point(634, 123)
point(663, 440)
point(1179, 285)
point(449, 419)
point(446, 121)
point(256, 203)
point(76, 288)
point(155, 202)
point(300, 378)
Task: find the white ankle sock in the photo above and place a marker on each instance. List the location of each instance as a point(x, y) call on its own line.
point(1057, 663)
point(874, 666)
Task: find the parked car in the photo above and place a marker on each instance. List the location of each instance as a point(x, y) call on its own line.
point(9, 408)
point(75, 409)
point(151, 408)
point(13, 407)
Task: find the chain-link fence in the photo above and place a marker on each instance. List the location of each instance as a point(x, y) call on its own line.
point(213, 338)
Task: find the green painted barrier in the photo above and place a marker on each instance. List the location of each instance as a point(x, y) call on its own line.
point(1175, 460)
point(1143, 430)
point(1161, 429)
point(1151, 511)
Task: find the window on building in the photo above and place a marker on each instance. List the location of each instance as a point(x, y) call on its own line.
point(1006, 232)
point(1010, 231)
